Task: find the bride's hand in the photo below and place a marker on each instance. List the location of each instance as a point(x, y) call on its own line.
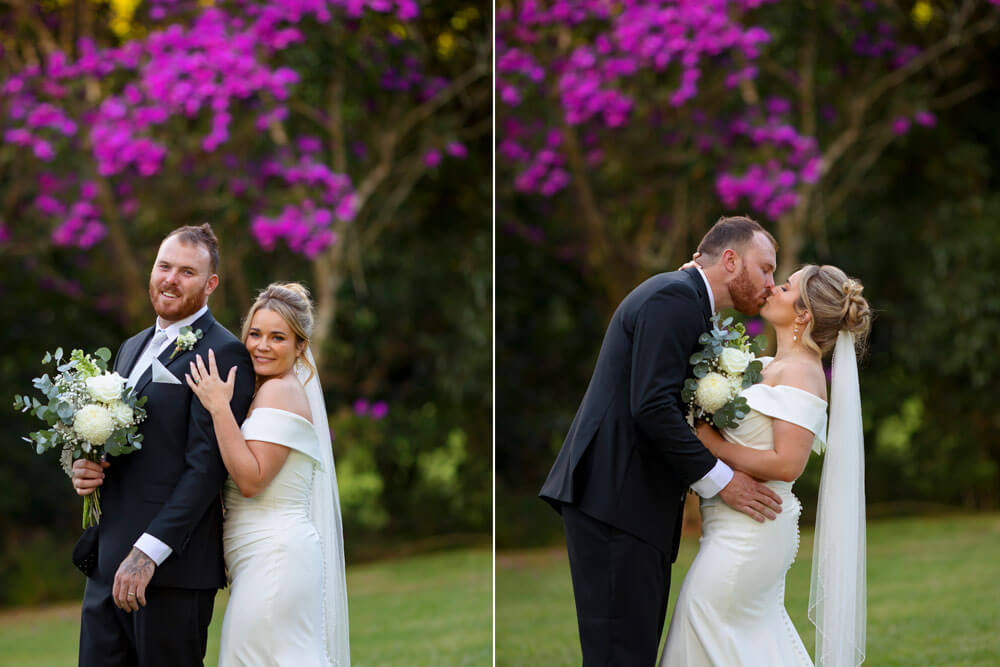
point(691, 263)
point(208, 385)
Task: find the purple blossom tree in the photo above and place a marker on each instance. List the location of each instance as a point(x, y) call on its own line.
point(306, 123)
point(644, 121)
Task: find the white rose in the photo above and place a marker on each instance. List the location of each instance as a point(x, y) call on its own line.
point(733, 360)
point(94, 424)
point(121, 413)
point(106, 388)
point(713, 392)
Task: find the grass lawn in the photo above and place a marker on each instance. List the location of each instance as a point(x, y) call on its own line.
point(933, 596)
point(426, 610)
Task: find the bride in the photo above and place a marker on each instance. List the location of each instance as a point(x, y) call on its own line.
point(731, 609)
point(282, 534)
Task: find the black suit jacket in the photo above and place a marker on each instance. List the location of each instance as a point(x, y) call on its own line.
point(630, 456)
point(171, 487)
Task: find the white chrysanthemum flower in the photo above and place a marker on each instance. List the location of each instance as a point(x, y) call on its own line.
point(713, 392)
point(106, 388)
point(121, 413)
point(94, 424)
point(733, 360)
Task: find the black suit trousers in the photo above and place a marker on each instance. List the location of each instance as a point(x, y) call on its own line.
point(621, 585)
point(170, 631)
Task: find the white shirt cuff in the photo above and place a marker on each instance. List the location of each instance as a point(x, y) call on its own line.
point(716, 480)
point(153, 548)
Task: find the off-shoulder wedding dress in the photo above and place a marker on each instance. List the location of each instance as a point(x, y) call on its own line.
point(731, 607)
point(288, 601)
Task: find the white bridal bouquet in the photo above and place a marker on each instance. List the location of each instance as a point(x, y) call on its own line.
point(726, 365)
point(90, 412)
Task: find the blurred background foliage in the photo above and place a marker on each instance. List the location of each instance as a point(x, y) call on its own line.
point(407, 285)
point(914, 214)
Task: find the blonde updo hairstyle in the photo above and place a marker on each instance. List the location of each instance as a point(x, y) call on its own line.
point(291, 301)
point(835, 303)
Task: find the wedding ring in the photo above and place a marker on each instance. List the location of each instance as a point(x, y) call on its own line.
point(194, 380)
point(131, 595)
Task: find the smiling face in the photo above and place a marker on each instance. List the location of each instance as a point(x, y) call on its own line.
point(271, 343)
point(753, 283)
point(181, 279)
point(779, 309)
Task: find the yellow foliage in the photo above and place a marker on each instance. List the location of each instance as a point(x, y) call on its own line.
point(445, 44)
point(922, 13)
point(461, 20)
point(122, 12)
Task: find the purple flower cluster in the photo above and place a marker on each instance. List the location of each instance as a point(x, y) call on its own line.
point(642, 37)
point(377, 410)
point(902, 124)
point(211, 69)
point(593, 78)
point(543, 171)
point(305, 225)
point(874, 36)
point(769, 185)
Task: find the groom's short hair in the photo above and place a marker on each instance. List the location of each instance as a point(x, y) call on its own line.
point(200, 235)
point(731, 232)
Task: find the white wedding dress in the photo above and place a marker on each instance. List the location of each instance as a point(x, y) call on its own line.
point(731, 607)
point(275, 614)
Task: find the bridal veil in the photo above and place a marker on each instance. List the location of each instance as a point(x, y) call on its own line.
point(837, 595)
point(325, 512)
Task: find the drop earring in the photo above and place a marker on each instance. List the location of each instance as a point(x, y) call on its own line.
point(795, 333)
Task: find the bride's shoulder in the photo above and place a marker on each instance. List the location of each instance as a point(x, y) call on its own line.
point(800, 374)
point(283, 393)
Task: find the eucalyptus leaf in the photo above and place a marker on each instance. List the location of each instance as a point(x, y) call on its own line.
point(695, 358)
point(701, 370)
point(59, 353)
point(64, 410)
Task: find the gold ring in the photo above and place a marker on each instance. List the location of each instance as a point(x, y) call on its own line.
point(131, 595)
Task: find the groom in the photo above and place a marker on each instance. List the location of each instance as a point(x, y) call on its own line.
point(621, 476)
point(150, 595)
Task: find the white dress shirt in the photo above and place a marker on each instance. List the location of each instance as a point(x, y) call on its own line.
point(719, 476)
point(148, 544)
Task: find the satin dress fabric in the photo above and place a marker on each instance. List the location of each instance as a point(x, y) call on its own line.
point(273, 556)
point(730, 611)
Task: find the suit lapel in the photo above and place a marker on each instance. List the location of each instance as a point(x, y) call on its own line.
point(130, 353)
point(204, 323)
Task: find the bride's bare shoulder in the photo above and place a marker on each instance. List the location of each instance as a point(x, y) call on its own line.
point(803, 374)
point(283, 393)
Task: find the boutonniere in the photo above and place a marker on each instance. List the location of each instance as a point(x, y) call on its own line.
point(186, 340)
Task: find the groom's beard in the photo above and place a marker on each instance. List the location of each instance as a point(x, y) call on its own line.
point(172, 310)
point(746, 298)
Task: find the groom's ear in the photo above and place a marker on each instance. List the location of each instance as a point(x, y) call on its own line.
point(211, 283)
point(730, 260)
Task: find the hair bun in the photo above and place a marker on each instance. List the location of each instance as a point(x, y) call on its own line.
point(857, 314)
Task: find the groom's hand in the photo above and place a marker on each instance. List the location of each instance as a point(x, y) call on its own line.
point(88, 475)
point(131, 579)
point(747, 495)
